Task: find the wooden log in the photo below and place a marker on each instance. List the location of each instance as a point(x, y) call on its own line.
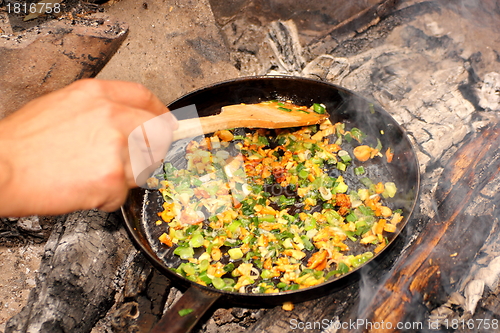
point(349, 27)
point(374, 23)
point(311, 316)
point(140, 302)
point(447, 244)
point(76, 283)
point(365, 18)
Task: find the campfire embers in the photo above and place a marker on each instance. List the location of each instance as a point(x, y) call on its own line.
point(25, 229)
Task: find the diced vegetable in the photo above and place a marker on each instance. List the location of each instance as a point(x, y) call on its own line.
point(364, 153)
point(389, 155)
point(218, 283)
point(319, 108)
point(235, 253)
point(184, 252)
point(185, 312)
point(357, 134)
point(196, 240)
point(390, 190)
point(359, 170)
point(288, 306)
point(344, 155)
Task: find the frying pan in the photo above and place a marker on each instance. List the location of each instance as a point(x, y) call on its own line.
point(142, 205)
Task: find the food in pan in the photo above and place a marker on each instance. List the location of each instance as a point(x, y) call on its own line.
point(263, 211)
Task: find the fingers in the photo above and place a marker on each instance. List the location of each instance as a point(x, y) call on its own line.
point(140, 116)
point(122, 92)
point(133, 104)
point(144, 122)
point(126, 119)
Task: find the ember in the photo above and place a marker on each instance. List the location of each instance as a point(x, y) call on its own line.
point(433, 65)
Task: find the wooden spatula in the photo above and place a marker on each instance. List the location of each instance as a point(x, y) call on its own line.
point(261, 115)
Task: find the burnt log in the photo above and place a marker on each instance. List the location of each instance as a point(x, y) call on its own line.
point(78, 277)
point(92, 277)
point(140, 302)
point(432, 266)
point(362, 20)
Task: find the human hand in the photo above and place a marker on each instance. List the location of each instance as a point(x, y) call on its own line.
point(67, 150)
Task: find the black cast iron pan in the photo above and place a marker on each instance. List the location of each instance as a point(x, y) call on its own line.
point(141, 208)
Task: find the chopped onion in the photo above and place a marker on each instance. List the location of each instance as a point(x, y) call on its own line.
point(326, 194)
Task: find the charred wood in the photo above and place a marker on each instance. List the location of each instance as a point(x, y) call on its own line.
point(140, 302)
point(16, 231)
point(77, 280)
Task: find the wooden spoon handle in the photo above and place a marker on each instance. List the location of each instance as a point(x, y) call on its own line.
point(261, 115)
point(189, 128)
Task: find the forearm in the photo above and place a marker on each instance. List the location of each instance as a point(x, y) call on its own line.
point(6, 174)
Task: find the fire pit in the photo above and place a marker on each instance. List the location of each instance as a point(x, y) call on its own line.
point(433, 65)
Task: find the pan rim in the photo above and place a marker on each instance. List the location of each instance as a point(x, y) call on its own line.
point(159, 264)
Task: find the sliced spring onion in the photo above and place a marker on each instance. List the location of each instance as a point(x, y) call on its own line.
point(357, 134)
point(341, 188)
point(390, 190)
point(184, 252)
point(185, 312)
point(319, 108)
point(342, 268)
point(359, 170)
point(196, 240)
point(266, 274)
point(218, 283)
point(344, 156)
